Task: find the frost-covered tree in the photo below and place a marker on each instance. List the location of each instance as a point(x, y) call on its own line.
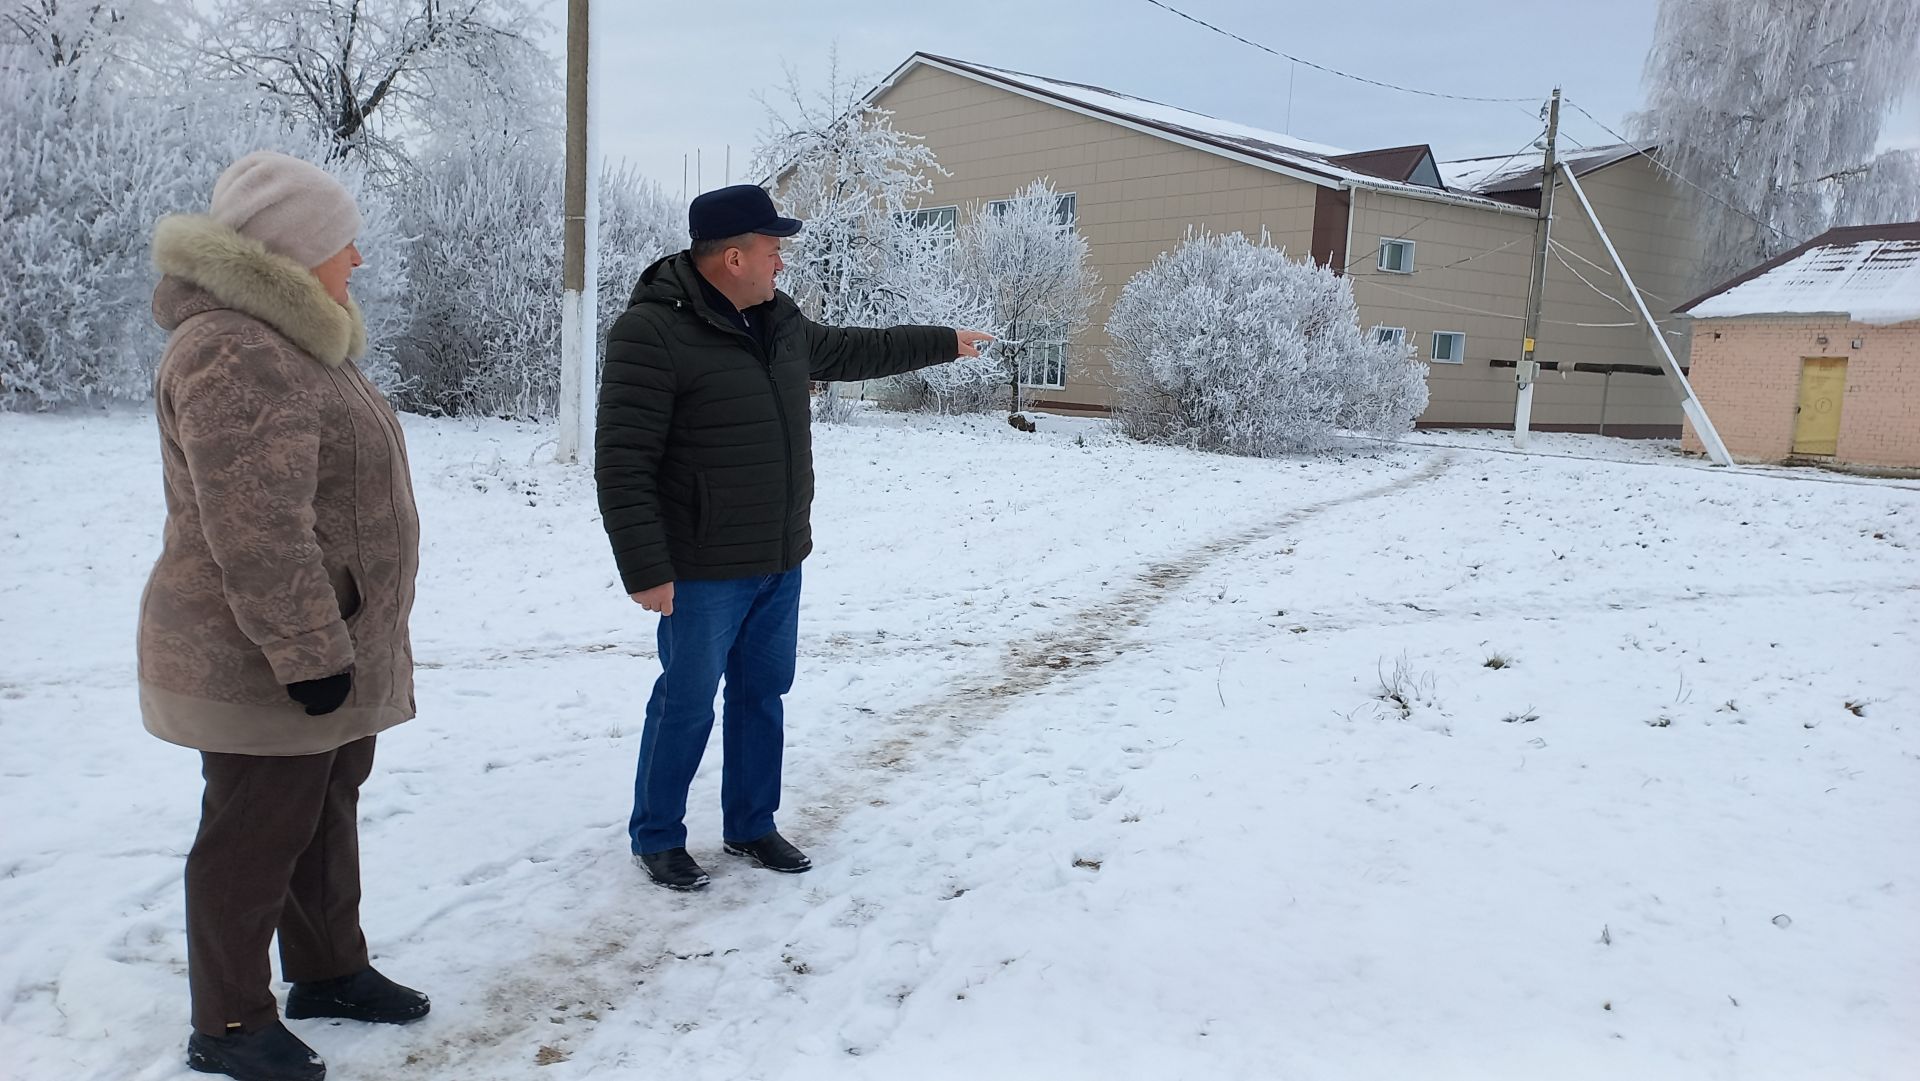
point(1775, 108)
point(1036, 271)
point(114, 116)
point(362, 73)
point(65, 33)
point(865, 258)
point(87, 165)
point(922, 268)
point(1227, 344)
point(485, 275)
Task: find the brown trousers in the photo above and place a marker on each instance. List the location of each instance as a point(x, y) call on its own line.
point(278, 849)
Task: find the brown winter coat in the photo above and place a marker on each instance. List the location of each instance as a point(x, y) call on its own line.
point(291, 538)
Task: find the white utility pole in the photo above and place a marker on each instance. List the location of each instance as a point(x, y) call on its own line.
point(1527, 372)
point(579, 325)
point(1697, 413)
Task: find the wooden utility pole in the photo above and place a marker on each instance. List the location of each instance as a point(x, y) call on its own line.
point(579, 355)
point(1528, 370)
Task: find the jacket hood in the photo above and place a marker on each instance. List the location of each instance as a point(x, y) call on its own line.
point(672, 280)
point(207, 266)
point(667, 278)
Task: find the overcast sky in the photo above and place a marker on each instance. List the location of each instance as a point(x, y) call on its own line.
point(676, 78)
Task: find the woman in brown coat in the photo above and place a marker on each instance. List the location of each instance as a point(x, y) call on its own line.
point(273, 632)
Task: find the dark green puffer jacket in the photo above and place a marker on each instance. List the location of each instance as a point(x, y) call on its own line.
point(703, 452)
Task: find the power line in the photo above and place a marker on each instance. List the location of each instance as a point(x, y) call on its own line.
point(1608, 273)
point(1554, 247)
point(1435, 300)
point(1408, 231)
point(1425, 299)
point(1161, 4)
point(1322, 67)
point(1481, 255)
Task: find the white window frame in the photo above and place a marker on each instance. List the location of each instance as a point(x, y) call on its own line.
point(932, 215)
point(1066, 208)
point(1400, 242)
point(1383, 335)
point(1458, 339)
point(1043, 360)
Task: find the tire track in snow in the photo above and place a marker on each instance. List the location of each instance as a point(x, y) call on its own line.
point(1099, 634)
point(620, 941)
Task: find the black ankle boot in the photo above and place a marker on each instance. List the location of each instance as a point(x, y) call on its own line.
point(674, 869)
point(773, 852)
point(364, 996)
point(268, 1054)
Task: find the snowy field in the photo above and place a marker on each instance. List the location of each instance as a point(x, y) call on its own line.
point(1432, 761)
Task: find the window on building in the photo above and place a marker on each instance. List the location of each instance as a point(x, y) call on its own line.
point(937, 217)
point(1066, 209)
point(1390, 335)
point(940, 219)
point(1449, 347)
point(1396, 256)
point(1043, 359)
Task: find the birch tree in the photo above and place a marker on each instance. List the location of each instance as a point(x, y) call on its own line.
point(1774, 108)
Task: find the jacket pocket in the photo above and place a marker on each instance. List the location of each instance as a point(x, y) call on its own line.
point(702, 508)
point(346, 593)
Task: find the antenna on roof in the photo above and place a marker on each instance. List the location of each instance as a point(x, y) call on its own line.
point(1291, 68)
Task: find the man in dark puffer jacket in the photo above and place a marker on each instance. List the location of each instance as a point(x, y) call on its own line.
point(704, 462)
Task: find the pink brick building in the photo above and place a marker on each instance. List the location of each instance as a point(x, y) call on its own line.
point(1815, 354)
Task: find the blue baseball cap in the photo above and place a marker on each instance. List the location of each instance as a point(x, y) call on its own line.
point(740, 209)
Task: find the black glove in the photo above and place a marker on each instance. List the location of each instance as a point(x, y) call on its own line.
point(324, 695)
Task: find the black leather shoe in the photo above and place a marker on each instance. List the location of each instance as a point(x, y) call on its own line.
point(364, 996)
point(772, 852)
point(268, 1054)
point(674, 869)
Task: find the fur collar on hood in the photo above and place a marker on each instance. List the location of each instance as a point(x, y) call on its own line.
point(240, 273)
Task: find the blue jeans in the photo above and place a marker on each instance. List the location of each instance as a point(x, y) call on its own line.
point(748, 630)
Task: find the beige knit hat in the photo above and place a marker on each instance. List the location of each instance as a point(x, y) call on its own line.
point(293, 207)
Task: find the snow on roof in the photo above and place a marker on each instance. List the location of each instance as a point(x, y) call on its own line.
point(1521, 172)
point(1277, 148)
point(1870, 273)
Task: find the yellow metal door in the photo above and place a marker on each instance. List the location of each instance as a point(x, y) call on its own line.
point(1823, 383)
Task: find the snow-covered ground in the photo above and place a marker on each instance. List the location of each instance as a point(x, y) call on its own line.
point(1433, 761)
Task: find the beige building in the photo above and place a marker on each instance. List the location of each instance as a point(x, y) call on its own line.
point(1439, 252)
point(1815, 354)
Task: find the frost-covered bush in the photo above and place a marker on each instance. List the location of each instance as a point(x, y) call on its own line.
point(485, 276)
point(485, 334)
point(86, 168)
point(1227, 344)
point(117, 114)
